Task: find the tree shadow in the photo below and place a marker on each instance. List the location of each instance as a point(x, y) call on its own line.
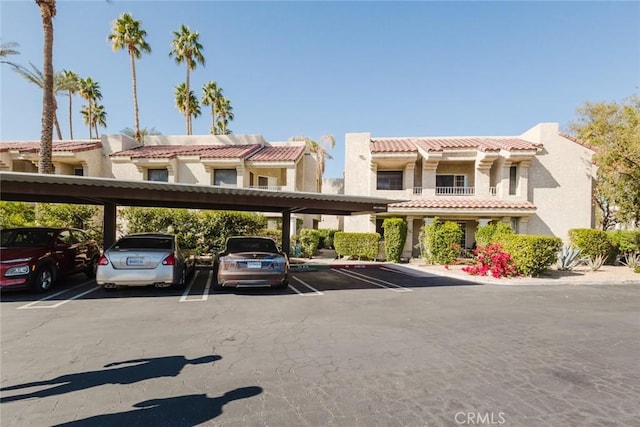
point(134, 371)
point(190, 410)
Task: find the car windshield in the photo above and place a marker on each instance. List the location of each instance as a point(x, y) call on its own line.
point(25, 238)
point(251, 245)
point(144, 243)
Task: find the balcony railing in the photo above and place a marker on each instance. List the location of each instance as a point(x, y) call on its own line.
point(493, 191)
point(266, 187)
point(455, 191)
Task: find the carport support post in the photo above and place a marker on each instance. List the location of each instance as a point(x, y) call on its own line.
point(109, 224)
point(286, 230)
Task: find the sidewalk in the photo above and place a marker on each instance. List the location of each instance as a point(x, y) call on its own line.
point(606, 275)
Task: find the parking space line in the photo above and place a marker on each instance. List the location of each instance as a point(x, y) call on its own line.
point(205, 293)
point(383, 283)
point(315, 291)
point(32, 305)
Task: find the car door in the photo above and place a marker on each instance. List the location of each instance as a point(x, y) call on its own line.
point(83, 249)
point(65, 247)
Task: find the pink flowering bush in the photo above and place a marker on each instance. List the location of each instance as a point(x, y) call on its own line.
point(492, 259)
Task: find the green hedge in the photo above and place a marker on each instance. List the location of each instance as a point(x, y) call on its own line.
point(488, 234)
point(532, 254)
point(395, 235)
point(625, 241)
point(309, 241)
point(326, 238)
point(356, 245)
point(591, 242)
point(441, 242)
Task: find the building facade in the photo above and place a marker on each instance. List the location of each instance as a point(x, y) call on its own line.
point(540, 182)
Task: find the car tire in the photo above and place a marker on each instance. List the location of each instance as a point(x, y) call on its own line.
point(183, 279)
point(43, 279)
point(217, 286)
point(90, 272)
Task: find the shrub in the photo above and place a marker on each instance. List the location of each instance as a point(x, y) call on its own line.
point(441, 242)
point(532, 254)
point(595, 261)
point(326, 238)
point(591, 242)
point(568, 258)
point(16, 214)
point(395, 235)
point(625, 241)
point(357, 245)
point(492, 259)
point(309, 241)
point(488, 234)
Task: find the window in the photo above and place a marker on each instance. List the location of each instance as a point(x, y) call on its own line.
point(158, 175)
point(226, 177)
point(389, 180)
point(263, 182)
point(78, 172)
point(513, 180)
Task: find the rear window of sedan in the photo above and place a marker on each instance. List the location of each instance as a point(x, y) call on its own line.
point(144, 243)
point(251, 245)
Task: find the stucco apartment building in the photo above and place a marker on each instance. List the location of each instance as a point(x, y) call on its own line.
point(245, 161)
point(540, 182)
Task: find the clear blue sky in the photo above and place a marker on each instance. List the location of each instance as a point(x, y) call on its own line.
point(314, 68)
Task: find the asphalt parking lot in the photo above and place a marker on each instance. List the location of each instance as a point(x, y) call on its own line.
point(340, 346)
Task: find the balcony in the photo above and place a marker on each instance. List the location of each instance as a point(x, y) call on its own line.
point(266, 187)
point(455, 191)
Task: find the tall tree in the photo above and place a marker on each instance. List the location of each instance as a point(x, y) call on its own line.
point(94, 116)
point(35, 76)
point(7, 49)
point(128, 34)
point(90, 91)
point(47, 12)
point(613, 129)
point(186, 48)
point(181, 101)
point(225, 111)
point(211, 92)
point(70, 82)
point(319, 148)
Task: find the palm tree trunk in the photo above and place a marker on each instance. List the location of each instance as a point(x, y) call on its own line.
point(47, 11)
point(187, 98)
point(213, 118)
point(55, 118)
point(135, 98)
point(70, 114)
point(90, 119)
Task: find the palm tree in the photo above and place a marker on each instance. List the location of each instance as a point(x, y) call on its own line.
point(225, 111)
point(7, 49)
point(186, 48)
point(98, 116)
point(210, 95)
point(36, 77)
point(181, 101)
point(318, 147)
point(70, 82)
point(47, 12)
point(143, 132)
point(90, 91)
point(126, 33)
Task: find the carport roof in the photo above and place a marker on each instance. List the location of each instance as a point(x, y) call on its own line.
point(29, 187)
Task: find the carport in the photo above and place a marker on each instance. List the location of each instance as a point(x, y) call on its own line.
point(110, 193)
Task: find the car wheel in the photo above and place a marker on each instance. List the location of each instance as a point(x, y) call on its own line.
point(183, 279)
point(43, 279)
point(90, 272)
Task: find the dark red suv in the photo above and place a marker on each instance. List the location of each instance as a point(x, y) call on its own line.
point(34, 257)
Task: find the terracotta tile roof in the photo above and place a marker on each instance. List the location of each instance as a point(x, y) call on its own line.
point(395, 145)
point(278, 154)
point(392, 145)
point(203, 151)
point(578, 141)
point(463, 203)
point(58, 146)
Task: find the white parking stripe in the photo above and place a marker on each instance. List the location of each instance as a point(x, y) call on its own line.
point(316, 292)
point(33, 303)
point(383, 283)
point(205, 293)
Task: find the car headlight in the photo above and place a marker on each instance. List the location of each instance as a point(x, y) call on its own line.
point(19, 270)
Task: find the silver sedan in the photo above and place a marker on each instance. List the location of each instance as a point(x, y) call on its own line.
point(145, 259)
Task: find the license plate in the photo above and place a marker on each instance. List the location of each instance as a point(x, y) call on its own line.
point(135, 261)
point(254, 264)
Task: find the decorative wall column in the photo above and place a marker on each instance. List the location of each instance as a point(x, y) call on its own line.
point(483, 175)
point(240, 176)
point(482, 222)
point(373, 178)
point(503, 190)
point(429, 167)
point(407, 250)
point(409, 170)
point(523, 225)
point(523, 179)
point(291, 179)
